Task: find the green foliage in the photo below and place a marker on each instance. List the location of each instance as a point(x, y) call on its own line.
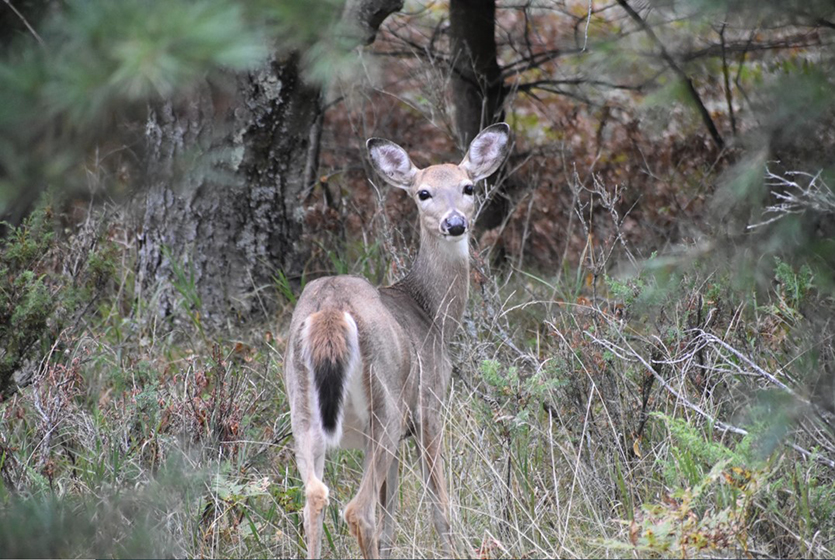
point(38, 299)
point(285, 287)
point(96, 64)
point(508, 382)
point(519, 394)
point(705, 489)
point(694, 454)
point(357, 258)
point(794, 286)
point(135, 50)
point(628, 290)
point(99, 64)
point(28, 243)
point(714, 488)
point(296, 24)
point(361, 259)
point(707, 508)
point(110, 524)
point(679, 527)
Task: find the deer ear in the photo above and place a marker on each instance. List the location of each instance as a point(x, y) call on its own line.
point(391, 162)
point(487, 151)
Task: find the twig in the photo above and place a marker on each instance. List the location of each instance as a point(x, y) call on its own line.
point(744, 47)
point(588, 24)
point(26, 23)
point(694, 95)
point(539, 84)
point(796, 199)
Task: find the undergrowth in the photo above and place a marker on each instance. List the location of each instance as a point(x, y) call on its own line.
point(590, 415)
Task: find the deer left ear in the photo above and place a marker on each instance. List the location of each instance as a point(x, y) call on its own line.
point(487, 151)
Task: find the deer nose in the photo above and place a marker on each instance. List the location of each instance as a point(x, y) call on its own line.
point(454, 225)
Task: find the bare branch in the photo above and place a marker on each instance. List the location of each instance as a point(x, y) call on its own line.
point(795, 198)
point(26, 23)
point(543, 84)
point(727, 81)
point(794, 42)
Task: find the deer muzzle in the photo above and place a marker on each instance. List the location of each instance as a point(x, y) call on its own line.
point(454, 225)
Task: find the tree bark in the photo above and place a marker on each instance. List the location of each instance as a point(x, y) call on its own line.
point(214, 235)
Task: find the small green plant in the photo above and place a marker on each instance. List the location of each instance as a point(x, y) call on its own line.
point(680, 525)
point(693, 453)
point(39, 298)
point(185, 283)
point(794, 286)
point(112, 524)
point(626, 290)
point(506, 381)
point(285, 288)
point(363, 259)
point(521, 394)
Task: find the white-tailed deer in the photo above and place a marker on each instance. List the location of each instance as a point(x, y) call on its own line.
point(366, 367)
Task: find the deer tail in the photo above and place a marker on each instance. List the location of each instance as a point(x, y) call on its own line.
point(331, 347)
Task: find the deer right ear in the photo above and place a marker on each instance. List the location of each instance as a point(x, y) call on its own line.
point(391, 162)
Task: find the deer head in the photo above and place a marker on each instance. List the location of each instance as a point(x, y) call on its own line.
point(445, 193)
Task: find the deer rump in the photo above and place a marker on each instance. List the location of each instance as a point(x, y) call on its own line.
point(331, 352)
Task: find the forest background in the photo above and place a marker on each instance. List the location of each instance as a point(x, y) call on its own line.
point(646, 365)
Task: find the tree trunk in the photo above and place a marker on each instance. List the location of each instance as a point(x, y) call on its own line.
point(217, 236)
point(477, 90)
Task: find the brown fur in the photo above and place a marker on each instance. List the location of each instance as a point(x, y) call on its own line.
point(445, 173)
point(326, 337)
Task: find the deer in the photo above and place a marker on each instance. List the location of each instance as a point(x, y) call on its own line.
point(366, 367)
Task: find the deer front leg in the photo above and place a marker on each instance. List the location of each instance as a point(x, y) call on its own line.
point(433, 475)
point(380, 451)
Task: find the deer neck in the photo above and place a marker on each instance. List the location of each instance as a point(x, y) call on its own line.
point(439, 280)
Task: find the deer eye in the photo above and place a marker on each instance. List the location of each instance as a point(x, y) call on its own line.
point(424, 195)
point(468, 190)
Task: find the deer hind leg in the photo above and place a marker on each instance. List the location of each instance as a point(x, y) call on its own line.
point(433, 475)
point(380, 451)
point(388, 503)
point(310, 456)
